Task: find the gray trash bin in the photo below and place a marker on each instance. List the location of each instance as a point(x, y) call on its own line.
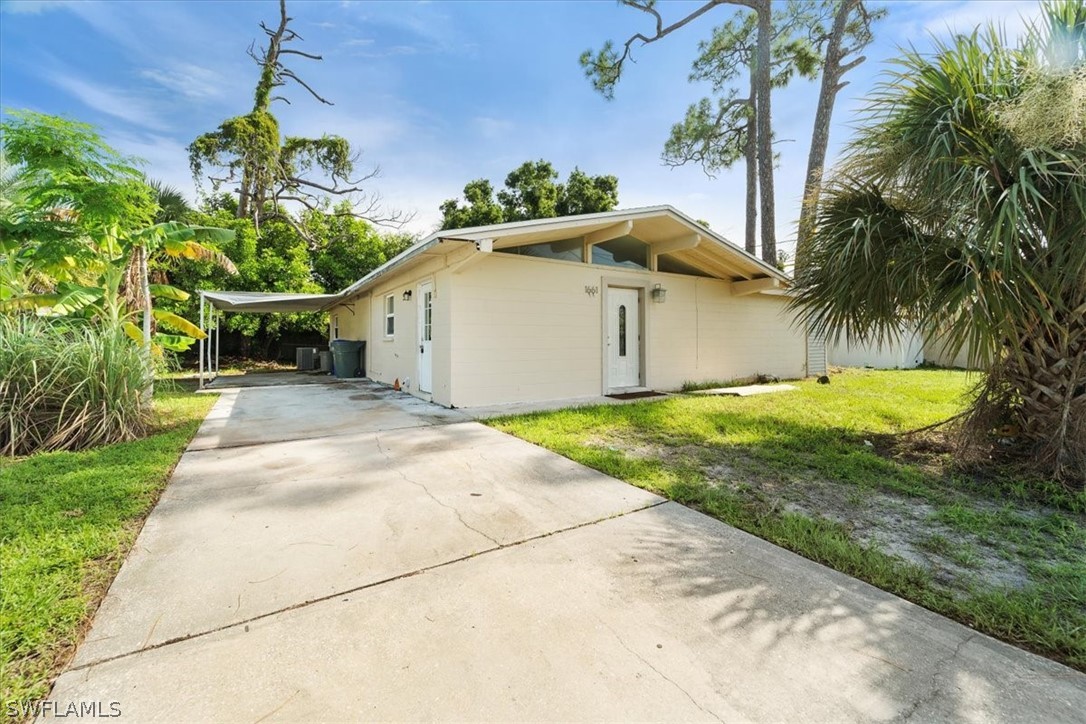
point(347, 358)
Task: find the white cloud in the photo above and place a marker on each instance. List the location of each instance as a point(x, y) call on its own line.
point(191, 81)
point(364, 132)
point(393, 51)
point(32, 7)
point(111, 101)
point(492, 128)
point(428, 23)
point(358, 42)
point(1013, 15)
point(165, 158)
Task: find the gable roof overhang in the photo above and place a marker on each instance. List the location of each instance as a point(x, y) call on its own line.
point(664, 228)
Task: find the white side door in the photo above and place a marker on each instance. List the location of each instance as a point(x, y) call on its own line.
point(623, 338)
point(426, 323)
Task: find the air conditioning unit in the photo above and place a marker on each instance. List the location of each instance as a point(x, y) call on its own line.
point(306, 358)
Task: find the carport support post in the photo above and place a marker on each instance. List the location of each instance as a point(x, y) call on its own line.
point(218, 331)
point(201, 341)
point(210, 346)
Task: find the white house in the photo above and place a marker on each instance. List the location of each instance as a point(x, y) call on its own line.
point(572, 307)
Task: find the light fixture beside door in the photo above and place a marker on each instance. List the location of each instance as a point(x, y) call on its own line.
point(659, 294)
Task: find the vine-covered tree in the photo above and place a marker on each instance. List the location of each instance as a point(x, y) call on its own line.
point(531, 191)
point(960, 209)
point(268, 172)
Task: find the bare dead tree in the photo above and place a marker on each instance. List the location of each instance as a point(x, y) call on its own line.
point(271, 171)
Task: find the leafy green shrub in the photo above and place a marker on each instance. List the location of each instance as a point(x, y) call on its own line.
point(66, 384)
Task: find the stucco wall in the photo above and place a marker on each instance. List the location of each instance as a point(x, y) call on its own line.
point(353, 319)
point(525, 330)
point(396, 357)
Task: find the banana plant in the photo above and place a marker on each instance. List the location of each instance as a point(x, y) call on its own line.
point(92, 286)
point(175, 240)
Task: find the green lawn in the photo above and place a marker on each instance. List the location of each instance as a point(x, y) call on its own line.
point(67, 520)
point(818, 471)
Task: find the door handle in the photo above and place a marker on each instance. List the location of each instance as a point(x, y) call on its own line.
point(421, 350)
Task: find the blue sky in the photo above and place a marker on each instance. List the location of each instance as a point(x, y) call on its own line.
point(436, 93)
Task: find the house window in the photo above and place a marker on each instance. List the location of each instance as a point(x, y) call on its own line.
point(565, 250)
point(335, 326)
point(625, 252)
point(671, 265)
point(622, 330)
point(427, 316)
point(390, 315)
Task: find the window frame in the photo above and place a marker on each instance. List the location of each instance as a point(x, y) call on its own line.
point(390, 316)
point(335, 326)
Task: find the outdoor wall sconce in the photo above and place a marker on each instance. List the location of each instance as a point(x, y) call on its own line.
point(407, 296)
point(659, 294)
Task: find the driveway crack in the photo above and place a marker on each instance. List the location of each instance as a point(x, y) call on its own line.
point(935, 687)
point(659, 673)
point(363, 587)
point(408, 479)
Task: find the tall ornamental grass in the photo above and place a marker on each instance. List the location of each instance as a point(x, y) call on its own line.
point(69, 385)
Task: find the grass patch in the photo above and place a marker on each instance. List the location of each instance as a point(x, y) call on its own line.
point(811, 471)
point(67, 520)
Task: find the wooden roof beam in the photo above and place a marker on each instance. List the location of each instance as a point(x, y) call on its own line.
point(608, 233)
point(680, 243)
point(753, 286)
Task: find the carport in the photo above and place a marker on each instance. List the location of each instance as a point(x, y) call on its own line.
point(214, 305)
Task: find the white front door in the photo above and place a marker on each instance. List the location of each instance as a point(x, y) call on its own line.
point(426, 324)
point(623, 338)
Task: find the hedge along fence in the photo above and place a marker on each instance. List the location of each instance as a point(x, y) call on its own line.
point(68, 385)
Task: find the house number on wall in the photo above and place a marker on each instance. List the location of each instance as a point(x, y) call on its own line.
point(591, 291)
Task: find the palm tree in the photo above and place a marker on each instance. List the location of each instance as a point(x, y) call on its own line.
point(960, 209)
point(172, 204)
point(169, 237)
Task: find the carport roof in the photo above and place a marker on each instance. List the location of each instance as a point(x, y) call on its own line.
point(264, 302)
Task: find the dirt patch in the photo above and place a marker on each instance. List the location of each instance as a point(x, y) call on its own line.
point(365, 396)
point(904, 527)
point(899, 525)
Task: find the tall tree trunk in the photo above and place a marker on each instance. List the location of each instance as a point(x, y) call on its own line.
point(832, 71)
point(1037, 391)
point(145, 292)
point(1049, 372)
point(764, 123)
point(750, 152)
point(243, 197)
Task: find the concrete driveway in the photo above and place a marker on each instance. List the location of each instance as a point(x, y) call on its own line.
point(343, 552)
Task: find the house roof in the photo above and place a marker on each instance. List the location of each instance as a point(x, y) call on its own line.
point(662, 226)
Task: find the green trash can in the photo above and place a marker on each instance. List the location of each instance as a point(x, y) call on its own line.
point(348, 358)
